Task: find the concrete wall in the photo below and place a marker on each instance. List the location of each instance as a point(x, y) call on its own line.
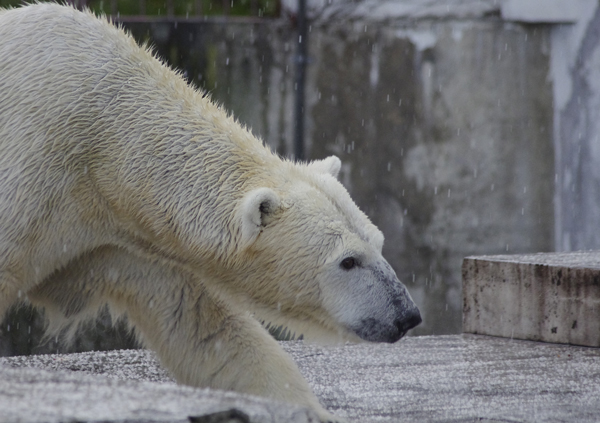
point(575, 71)
point(444, 128)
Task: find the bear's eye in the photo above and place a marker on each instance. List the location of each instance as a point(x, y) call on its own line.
point(348, 263)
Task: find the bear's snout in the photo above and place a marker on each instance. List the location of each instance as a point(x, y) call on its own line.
point(384, 310)
point(375, 330)
point(411, 319)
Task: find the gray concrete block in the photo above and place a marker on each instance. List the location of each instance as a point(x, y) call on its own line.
point(552, 297)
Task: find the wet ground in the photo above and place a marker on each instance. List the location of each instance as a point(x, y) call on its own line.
point(459, 378)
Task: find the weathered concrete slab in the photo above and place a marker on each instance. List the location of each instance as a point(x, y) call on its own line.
point(458, 378)
point(73, 394)
point(553, 297)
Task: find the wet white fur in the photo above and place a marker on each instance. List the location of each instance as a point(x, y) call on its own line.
point(121, 185)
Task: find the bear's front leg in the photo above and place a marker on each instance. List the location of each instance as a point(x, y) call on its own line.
point(198, 337)
point(235, 353)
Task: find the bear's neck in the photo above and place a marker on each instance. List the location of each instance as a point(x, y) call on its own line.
point(174, 173)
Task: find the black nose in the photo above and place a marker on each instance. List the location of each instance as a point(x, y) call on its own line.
point(409, 320)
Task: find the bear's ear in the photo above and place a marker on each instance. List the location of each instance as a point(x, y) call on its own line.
point(329, 165)
point(255, 209)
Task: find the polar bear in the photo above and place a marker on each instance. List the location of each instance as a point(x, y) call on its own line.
point(121, 185)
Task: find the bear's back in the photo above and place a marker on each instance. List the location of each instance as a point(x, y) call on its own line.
point(57, 60)
point(70, 73)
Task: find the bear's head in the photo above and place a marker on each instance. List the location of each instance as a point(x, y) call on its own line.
point(313, 261)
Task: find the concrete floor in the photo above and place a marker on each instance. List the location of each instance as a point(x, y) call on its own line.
point(458, 378)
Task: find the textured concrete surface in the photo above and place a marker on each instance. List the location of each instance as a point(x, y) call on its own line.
point(553, 297)
point(458, 378)
point(392, 10)
point(545, 11)
point(443, 129)
point(575, 73)
point(122, 393)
